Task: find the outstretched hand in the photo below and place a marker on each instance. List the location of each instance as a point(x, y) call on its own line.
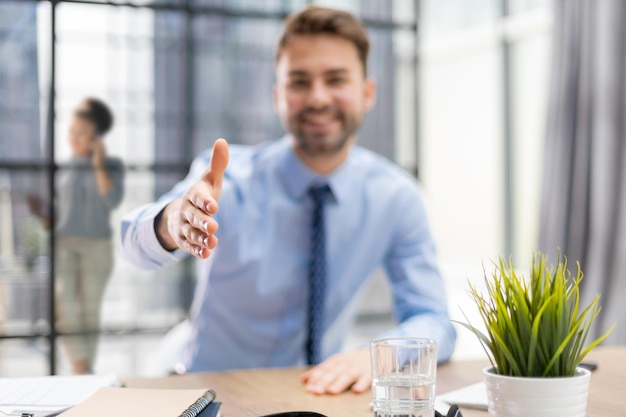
point(187, 223)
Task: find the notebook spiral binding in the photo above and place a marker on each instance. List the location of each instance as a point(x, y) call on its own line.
point(200, 404)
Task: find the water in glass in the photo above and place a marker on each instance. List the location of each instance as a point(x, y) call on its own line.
point(399, 395)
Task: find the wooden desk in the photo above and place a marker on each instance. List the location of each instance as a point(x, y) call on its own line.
point(252, 393)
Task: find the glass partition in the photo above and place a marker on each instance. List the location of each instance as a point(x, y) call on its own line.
point(461, 103)
point(173, 76)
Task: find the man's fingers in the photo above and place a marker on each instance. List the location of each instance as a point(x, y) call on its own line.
point(215, 173)
point(362, 384)
point(196, 243)
point(329, 382)
point(330, 377)
point(340, 372)
point(195, 250)
point(341, 383)
point(200, 220)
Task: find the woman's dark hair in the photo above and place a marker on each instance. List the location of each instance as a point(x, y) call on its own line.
point(315, 20)
point(97, 112)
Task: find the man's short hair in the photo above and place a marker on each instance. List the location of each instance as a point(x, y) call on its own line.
point(315, 20)
point(97, 112)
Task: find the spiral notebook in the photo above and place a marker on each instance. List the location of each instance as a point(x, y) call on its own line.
point(153, 402)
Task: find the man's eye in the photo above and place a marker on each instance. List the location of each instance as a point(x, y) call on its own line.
point(298, 83)
point(336, 81)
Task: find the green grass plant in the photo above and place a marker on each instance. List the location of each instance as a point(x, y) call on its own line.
point(535, 327)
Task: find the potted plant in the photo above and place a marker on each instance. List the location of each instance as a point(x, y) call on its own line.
point(535, 335)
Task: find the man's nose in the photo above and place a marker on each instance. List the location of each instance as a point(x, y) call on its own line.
point(319, 95)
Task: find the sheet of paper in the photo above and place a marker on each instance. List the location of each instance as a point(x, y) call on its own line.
point(46, 394)
point(470, 396)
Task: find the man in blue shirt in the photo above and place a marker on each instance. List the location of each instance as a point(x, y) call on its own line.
point(251, 305)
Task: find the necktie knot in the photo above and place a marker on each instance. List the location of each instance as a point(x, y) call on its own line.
point(320, 193)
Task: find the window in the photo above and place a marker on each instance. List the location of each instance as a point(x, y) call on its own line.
point(483, 97)
point(176, 75)
point(461, 104)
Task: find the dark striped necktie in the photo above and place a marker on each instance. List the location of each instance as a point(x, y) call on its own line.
point(317, 274)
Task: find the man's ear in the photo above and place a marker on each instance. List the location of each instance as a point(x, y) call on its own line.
point(369, 93)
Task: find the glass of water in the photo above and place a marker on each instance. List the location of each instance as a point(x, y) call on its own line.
point(404, 371)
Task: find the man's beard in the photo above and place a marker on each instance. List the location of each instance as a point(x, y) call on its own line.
point(323, 143)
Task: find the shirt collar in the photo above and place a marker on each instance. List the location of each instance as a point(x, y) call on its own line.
point(298, 177)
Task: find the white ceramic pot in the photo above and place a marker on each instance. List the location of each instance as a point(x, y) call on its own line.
point(537, 397)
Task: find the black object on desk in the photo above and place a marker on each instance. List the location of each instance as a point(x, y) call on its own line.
point(211, 410)
point(453, 411)
point(592, 366)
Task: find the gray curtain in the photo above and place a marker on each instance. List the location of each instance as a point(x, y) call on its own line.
point(583, 211)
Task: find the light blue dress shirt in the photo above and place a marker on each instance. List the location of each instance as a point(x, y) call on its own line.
point(250, 302)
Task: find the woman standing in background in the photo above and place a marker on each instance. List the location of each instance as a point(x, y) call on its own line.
point(87, 191)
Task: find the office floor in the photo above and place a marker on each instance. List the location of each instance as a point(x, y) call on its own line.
point(139, 355)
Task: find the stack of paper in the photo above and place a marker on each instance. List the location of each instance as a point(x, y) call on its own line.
point(48, 395)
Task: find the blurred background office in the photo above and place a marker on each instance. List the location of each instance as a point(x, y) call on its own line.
point(472, 95)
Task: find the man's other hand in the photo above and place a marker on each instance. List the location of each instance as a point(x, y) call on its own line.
point(340, 372)
point(187, 223)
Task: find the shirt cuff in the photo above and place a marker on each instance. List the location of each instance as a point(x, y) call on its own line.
point(147, 233)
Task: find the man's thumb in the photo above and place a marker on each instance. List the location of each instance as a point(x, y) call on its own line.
point(219, 161)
